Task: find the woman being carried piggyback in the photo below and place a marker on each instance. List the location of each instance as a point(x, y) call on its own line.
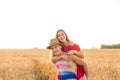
point(74, 52)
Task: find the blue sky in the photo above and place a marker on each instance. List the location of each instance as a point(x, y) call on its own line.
point(32, 23)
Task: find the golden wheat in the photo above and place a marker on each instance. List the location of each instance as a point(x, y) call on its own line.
point(26, 64)
point(104, 64)
point(35, 64)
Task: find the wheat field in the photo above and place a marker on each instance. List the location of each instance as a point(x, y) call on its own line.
point(35, 64)
point(104, 64)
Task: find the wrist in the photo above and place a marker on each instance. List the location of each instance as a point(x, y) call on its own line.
point(74, 53)
point(57, 55)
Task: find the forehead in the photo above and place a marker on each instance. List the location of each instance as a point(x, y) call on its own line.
point(61, 31)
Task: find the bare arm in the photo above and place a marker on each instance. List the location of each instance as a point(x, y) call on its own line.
point(78, 53)
point(56, 58)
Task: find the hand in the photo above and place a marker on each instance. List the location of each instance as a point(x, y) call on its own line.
point(64, 57)
point(71, 52)
point(74, 51)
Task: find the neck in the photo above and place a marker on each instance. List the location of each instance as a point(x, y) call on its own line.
point(66, 43)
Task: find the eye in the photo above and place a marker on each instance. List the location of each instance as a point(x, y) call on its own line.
point(59, 35)
point(55, 46)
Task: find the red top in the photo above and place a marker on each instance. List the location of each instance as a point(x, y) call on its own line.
point(80, 69)
point(73, 47)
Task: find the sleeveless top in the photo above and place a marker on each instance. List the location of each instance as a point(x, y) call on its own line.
point(64, 65)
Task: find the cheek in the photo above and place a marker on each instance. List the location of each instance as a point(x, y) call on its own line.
point(59, 38)
point(64, 36)
point(54, 50)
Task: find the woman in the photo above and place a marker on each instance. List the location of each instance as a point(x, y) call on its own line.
point(74, 53)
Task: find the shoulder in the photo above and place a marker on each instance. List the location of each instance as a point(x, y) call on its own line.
point(74, 46)
point(73, 43)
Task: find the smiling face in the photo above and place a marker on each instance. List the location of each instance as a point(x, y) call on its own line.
point(56, 49)
point(62, 36)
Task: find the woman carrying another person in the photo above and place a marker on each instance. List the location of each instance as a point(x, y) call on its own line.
point(75, 54)
point(67, 68)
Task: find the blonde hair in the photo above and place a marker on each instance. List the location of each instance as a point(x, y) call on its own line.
point(65, 35)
